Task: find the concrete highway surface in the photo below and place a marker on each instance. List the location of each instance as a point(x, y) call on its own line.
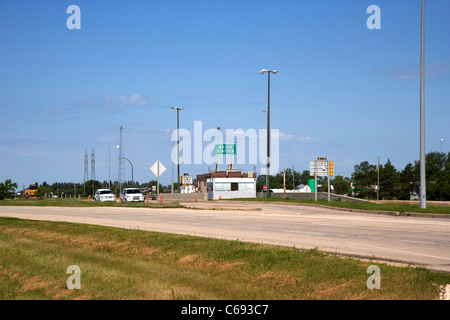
point(415, 241)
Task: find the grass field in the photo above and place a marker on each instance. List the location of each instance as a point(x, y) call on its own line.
point(401, 208)
point(117, 263)
point(86, 203)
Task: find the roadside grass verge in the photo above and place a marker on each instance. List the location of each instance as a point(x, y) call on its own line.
point(119, 263)
point(359, 205)
point(87, 203)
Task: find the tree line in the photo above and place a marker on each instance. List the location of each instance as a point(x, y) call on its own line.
point(370, 181)
point(88, 188)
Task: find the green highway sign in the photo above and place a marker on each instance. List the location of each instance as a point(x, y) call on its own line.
point(224, 149)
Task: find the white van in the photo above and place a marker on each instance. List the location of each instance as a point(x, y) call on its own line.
point(104, 195)
point(131, 194)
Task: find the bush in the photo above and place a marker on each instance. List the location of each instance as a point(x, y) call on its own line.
point(7, 189)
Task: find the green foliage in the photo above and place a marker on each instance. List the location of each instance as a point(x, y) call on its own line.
point(341, 185)
point(396, 184)
point(42, 192)
point(7, 189)
point(276, 182)
point(91, 186)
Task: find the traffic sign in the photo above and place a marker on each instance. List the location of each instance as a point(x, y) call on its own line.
point(265, 188)
point(319, 166)
point(157, 168)
point(186, 179)
point(224, 149)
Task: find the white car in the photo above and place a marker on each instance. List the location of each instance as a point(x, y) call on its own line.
point(104, 195)
point(131, 194)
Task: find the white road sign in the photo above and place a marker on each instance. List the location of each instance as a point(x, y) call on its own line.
point(154, 168)
point(322, 168)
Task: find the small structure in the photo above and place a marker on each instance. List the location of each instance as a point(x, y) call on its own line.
point(229, 184)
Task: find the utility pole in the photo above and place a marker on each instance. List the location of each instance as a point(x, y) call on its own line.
point(423, 200)
point(293, 178)
point(329, 181)
point(378, 179)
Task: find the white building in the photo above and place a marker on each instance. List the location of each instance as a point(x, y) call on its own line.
point(228, 184)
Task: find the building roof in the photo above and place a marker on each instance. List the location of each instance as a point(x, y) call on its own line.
point(225, 174)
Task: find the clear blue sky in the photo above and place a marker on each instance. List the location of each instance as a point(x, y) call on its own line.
point(342, 91)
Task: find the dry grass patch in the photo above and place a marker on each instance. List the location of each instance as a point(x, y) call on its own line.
point(129, 264)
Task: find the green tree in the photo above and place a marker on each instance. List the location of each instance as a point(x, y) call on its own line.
point(364, 178)
point(91, 186)
point(42, 192)
point(7, 189)
point(341, 185)
point(437, 176)
point(389, 181)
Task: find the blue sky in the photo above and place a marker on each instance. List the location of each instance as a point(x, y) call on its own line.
point(342, 91)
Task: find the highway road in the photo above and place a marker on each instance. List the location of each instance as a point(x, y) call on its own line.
point(411, 240)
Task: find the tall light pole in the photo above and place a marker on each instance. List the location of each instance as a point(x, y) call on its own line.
point(178, 142)
point(423, 203)
point(132, 175)
point(268, 127)
point(171, 188)
point(109, 165)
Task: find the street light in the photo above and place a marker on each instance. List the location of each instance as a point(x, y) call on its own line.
point(423, 200)
point(268, 127)
point(132, 175)
point(178, 142)
point(109, 164)
point(171, 189)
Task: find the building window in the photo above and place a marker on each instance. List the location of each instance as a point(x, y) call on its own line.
point(234, 186)
point(246, 186)
point(222, 186)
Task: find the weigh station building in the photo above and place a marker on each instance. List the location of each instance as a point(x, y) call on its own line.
point(229, 184)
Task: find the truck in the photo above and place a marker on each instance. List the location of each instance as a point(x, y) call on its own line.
point(31, 191)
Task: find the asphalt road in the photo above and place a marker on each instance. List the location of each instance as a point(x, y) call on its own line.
point(412, 240)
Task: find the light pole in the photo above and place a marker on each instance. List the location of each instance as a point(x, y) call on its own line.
point(132, 175)
point(423, 199)
point(268, 127)
point(109, 165)
point(171, 189)
point(217, 156)
point(178, 143)
point(441, 144)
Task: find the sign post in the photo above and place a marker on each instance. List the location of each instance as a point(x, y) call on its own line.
point(157, 168)
point(323, 168)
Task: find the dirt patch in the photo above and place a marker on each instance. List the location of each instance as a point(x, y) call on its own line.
point(286, 282)
point(329, 291)
point(188, 258)
point(230, 265)
point(266, 275)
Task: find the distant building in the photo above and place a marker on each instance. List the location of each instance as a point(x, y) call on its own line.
point(227, 184)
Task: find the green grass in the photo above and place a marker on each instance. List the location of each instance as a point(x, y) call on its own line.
point(86, 203)
point(401, 208)
point(117, 263)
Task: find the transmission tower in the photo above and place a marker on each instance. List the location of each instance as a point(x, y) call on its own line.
point(92, 164)
point(121, 164)
point(86, 161)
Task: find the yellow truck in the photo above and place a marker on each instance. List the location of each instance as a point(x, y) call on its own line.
point(31, 191)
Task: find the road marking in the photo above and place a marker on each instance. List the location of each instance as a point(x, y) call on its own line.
point(402, 251)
